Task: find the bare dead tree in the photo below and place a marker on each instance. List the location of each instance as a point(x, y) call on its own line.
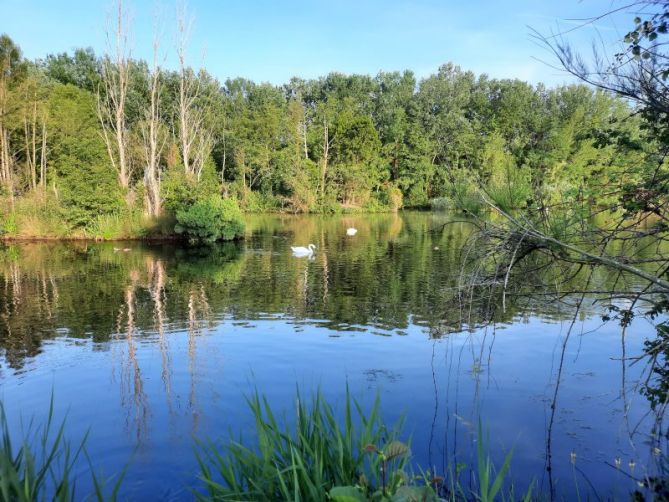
point(10, 56)
point(327, 144)
point(33, 115)
point(153, 140)
point(111, 98)
point(43, 155)
point(195, 139)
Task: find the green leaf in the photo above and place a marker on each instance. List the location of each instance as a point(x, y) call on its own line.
point(347, 494)
point(395, 449)
point(414, 494)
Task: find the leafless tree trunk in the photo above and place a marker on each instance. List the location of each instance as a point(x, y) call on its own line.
point(112, 96)
point(30, 132)
point(42, 156)
point(6, 171)
point(153, 143)
point(195, 140)
point(304, 135)
point(326, 155)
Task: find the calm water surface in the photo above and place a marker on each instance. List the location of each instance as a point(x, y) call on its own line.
point(149, 347)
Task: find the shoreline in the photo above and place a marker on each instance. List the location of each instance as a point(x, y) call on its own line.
point(178, 237)
point(171, 238)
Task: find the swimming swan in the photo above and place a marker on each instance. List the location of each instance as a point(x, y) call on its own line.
point(351, 231)
point(303, 251)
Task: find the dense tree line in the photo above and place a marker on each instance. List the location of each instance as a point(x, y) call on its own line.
point(85, 138)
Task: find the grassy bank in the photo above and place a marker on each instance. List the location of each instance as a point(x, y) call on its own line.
point(41, 216)
point(317, 455)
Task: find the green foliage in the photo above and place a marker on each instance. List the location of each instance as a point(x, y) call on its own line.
point(349, 458)
point(338, 143)
point(462, 194)
point(43, 466)
point(35, 471)
point(508, 185)
point(210, 219)
point(258, 202)
point(391, 197)
point(8, 225)
point(126, 225)
point(36, 215)
point(305, 463)
point(488, 486)
point(81, 69)
point(180, 191)
point(86, 186)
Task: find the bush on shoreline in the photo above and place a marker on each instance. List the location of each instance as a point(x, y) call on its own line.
point(209, 220)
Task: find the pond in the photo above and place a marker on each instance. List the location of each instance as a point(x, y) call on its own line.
point(147, 346)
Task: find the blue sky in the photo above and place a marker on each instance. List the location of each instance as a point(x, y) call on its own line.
point(267, 40)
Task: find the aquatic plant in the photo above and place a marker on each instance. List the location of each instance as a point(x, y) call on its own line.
point(325, 457)
point(322, 456)
point(43, 466)
point(299, 464)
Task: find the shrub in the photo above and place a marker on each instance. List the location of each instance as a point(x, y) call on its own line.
point(463, 193)
point(510, 189)
point(210, 219)
point(181, 191)
point(258, 202)
point(79, 164)
point(8, 225)
point(440, 204)
point(391, 197)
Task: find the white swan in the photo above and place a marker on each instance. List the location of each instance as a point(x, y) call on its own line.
point(303, 251)
point(351, 231)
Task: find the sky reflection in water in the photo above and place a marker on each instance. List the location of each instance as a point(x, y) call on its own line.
point(152, 347)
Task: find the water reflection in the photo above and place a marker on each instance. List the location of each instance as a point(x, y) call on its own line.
point(181, 334)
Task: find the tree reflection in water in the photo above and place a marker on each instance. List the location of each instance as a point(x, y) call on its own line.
point(411, 277)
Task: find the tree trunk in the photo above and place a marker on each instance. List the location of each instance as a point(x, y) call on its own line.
point(151, 135)
point(42, 159)
point(111, 105)
point(324, 160)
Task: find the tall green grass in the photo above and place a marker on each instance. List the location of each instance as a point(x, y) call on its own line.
point(42, 465)
point(303, 462)
point(324, 456)
point(350, 456)
point(36, 214)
